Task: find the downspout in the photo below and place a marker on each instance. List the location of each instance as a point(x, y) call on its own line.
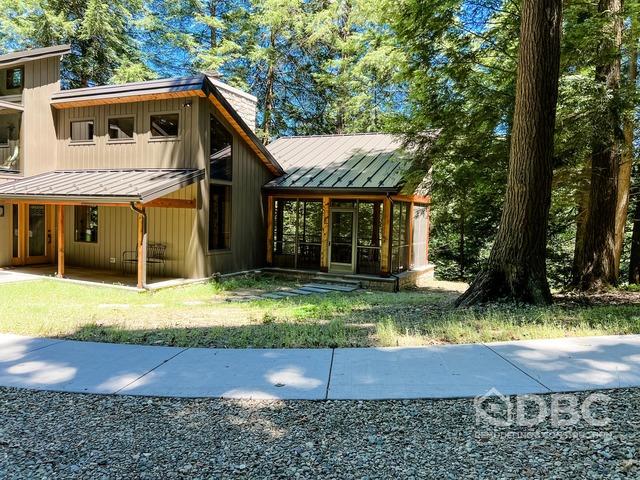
point(396, 285)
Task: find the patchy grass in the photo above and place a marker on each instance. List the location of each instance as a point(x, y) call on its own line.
point(201, 316)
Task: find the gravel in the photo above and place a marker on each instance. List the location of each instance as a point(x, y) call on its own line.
point(58, 435)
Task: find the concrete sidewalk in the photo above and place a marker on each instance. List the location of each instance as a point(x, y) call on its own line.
point(537, 366)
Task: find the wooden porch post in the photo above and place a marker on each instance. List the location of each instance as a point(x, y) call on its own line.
point(385, 247)
point(410, 238)
point(428, 230)
point(142, 248)
point(324, 244)
point(60, 232)
point(270, 212)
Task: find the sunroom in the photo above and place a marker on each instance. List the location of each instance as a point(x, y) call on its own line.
point(340, 208)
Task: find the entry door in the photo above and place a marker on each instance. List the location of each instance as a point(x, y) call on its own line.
point(37, 240)
point(342, 246)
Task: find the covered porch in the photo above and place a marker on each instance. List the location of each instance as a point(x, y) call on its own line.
point(95, 225)
point(87, 275)
point(348, 234)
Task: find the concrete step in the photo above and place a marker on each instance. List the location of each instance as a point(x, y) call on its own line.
point(333, 286)
point(335, 279)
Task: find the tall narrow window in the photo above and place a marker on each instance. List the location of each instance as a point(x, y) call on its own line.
point(220, 177)
point(16, 230)
point(86, 224)
point(220, 152)
point(219, 217)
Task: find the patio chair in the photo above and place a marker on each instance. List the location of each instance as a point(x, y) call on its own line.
point(156, 255)
point(11, 163)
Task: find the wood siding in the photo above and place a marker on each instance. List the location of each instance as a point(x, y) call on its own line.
point(142, 151)
point(38, 133)
point(117, 233)
point(5, 236)
point(248, 209)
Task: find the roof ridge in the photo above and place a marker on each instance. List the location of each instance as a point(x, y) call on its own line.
point(359, 134)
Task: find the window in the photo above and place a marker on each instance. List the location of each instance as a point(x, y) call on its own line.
point(220, 151)
point(219, 217)
point(86, 224)
point(165, 125)
point(82, 131)
point(10, 129)
point(121, 128)
point(15, 77)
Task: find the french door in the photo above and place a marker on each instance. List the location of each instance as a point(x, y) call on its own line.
point(342, 237)
point(31, 234)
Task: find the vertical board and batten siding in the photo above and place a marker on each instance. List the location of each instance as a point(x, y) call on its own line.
point(117, 233)
point(38, 132)
point(142, 151)
point(248, 210)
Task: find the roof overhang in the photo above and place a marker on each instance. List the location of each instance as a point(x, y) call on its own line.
point(18, 58)
point(199, 85)
point(96, 187)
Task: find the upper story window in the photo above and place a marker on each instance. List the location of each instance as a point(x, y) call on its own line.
point(165, 125)
point(220, 152)
point(82, 131)
point(10, 142)
point(15, 78)
point(121, 128)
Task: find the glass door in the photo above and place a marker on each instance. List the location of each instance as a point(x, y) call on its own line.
point(37, 234)
point(341, 243)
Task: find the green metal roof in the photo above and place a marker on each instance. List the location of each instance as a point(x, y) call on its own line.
point(363, 162)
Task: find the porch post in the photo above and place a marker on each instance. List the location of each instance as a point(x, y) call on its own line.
point(428, 231)
point(410, 238)
point(385, 247)
point(324, 244)
point(270, 208)
point(60, 232)
point(142, 248)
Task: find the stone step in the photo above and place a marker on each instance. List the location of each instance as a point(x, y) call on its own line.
point(315, 289)
point(333, 286)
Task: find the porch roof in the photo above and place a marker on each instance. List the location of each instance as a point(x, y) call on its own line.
point(100, 186)
point(359, 163)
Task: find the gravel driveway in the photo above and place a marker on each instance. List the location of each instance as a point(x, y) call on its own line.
point(59, 435)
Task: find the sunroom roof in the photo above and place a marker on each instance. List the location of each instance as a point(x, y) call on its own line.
point(363, 162)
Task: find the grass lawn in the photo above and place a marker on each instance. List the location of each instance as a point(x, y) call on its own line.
point(201, 316)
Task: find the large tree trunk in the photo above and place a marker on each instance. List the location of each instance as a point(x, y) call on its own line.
point(626, 164)
point(599, 259)
point(634, 264)
point(584, 191)
point(269, 96)
point(517, 266)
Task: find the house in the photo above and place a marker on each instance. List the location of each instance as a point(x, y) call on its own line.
point(167, 178)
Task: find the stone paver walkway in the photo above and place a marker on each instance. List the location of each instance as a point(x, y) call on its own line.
point(536, 366)
point(307, 289)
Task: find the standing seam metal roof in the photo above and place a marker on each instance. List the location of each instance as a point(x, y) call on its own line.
point(102, 186)
point(325, 162)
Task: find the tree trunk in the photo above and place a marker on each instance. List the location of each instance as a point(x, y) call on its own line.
point(269, 96)
point(634, 264)
point(213, 33)
point(517, 266)
point(626, 165)
point(598, 265)
point(584, 189)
